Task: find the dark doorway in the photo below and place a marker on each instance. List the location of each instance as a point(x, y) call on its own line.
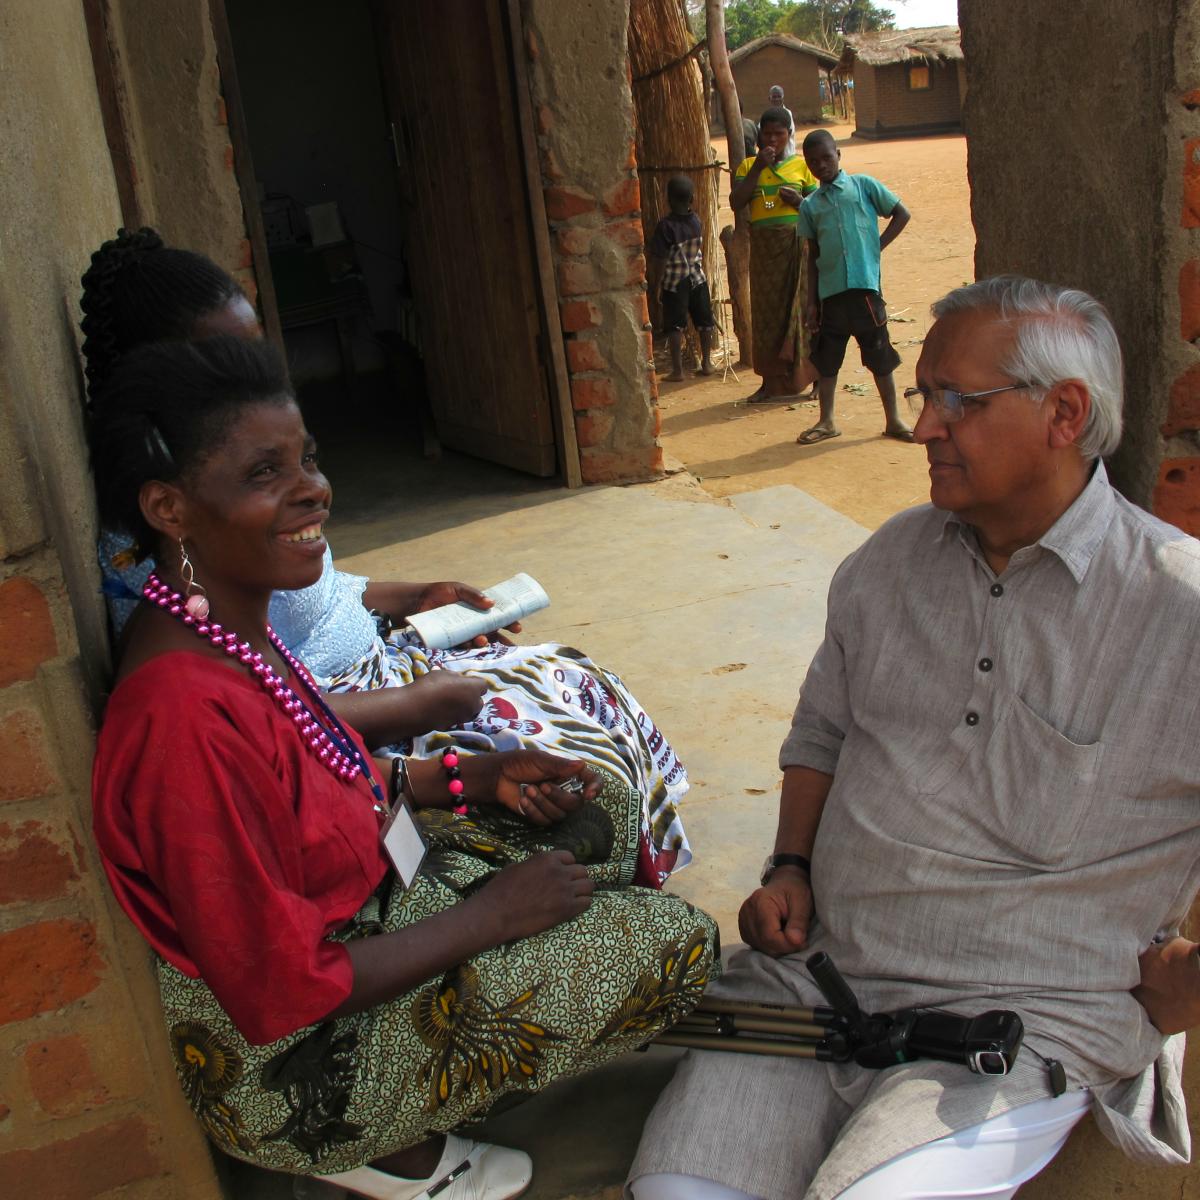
point(393, 187)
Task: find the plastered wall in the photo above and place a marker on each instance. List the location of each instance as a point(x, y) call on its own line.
point(1074, 188)
point(583, 102)
point(88, 1101)
point(1088, 187)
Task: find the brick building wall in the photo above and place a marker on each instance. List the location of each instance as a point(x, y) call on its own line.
point(886, 106)
point(578, 66)
point(797, 73)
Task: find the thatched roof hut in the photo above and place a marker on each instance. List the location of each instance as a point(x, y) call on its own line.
point(780, 58)
point(907, 82)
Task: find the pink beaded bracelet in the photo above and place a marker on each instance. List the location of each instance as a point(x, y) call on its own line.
point(455, 784)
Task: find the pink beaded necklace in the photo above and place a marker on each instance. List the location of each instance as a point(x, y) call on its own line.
point(330, 743)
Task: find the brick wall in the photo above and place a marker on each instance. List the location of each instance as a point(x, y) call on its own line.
point(578, 68)
point(794, 71)
point(886, 106)
point(79, 1100)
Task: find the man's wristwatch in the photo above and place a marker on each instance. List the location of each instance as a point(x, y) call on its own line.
point(784, 860)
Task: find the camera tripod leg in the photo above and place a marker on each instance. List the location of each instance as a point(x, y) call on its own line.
point(738, 1045)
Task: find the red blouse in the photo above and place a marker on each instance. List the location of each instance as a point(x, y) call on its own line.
point(232, 849)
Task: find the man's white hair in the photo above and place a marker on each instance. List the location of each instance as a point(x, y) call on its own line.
point(1061, 333)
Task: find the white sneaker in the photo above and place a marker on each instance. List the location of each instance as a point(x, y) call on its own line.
point(467, 1171)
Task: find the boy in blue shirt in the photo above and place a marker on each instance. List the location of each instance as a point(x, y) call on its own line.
point(841, 221)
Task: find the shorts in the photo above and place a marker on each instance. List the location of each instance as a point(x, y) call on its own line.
point(687, 298)
point(863, 314)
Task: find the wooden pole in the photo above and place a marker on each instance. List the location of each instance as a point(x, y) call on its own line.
point(737, 241)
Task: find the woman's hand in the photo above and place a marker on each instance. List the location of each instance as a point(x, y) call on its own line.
point(434, 595)
point(526, 782)
point(536, 895)
point(446, 699)
point(789, 195)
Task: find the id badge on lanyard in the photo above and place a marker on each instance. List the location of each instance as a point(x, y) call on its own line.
point(402, 842)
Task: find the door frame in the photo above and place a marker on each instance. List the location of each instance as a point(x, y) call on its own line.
point(553, 348)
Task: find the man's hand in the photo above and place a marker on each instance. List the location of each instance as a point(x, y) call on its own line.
point(775, 918)
point(812, 318)
point(1170, 987)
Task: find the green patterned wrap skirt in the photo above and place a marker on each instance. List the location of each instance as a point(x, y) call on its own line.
point(337, 1095)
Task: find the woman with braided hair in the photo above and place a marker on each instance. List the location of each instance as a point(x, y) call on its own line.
point(402, 697)
point(140, 290)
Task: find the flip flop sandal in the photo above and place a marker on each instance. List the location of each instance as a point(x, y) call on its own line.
point(810, 437)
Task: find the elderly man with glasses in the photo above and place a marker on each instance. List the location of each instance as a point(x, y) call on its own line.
point(991, 800)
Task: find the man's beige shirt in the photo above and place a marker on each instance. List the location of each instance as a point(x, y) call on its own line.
point(1015, 812)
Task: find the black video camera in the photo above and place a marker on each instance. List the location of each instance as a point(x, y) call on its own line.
point(987, 1044)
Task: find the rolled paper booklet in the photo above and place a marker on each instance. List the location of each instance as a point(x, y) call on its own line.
point(454, 624)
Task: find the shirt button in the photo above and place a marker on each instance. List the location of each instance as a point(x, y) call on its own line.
point(972, 718)
point(985, 664)
point(997, 589)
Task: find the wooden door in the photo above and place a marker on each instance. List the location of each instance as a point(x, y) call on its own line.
point(449, 89)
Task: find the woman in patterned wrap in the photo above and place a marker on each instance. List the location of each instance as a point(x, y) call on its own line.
point(772, 185)
point(324, 1019)
point(402, 697)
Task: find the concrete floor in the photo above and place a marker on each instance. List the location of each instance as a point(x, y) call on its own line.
point(709, 610)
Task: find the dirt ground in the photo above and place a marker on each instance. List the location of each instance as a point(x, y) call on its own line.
point(732, 447)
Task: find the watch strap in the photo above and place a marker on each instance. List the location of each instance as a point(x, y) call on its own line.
point(786, 860)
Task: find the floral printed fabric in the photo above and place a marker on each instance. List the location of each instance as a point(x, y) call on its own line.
point(555, 698)
point(341, 1093)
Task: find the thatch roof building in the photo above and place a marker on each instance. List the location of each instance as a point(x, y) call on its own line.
point(780, 58)
point(907, 82)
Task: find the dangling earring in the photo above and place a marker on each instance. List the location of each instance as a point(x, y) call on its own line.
point(197, 601)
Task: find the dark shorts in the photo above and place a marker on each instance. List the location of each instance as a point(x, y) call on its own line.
point(861, 314)
point(687, 298)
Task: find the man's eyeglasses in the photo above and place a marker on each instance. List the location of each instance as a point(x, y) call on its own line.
point(951, 406)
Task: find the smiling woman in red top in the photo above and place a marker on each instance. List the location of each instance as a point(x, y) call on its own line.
point(325, 1019)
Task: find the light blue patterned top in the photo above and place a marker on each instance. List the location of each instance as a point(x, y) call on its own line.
point(325, 626)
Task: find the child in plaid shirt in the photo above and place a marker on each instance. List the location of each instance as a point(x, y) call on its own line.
point(677, 267)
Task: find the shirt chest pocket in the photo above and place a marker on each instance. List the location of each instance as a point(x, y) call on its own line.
point(1034, 787)
point(867, 224)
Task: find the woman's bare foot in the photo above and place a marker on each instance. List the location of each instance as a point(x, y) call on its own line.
point(675, 377)
point(706, 369)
